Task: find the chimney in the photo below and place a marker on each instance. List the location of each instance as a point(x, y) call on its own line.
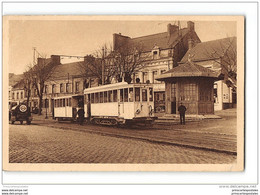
point(190, 26)
point(119, 40)
point(55, 59)
point(191, 44)
point(41, 61)
point(171, 29)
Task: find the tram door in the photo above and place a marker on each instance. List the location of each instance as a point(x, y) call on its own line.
point(121, 103)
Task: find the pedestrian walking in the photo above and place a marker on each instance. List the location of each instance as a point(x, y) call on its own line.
point(81, 116)
point(182, 109)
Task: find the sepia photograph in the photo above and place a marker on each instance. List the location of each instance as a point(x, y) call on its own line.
point(123, 93)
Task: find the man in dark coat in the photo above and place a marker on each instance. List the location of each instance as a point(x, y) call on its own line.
point(81, 116)
point(182, 109)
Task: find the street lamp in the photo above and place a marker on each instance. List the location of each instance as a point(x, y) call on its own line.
point(46, 103)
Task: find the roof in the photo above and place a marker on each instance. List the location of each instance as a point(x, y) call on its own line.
point(210, 49)
point(14, 79)
point(62, 70)
point(188, 69)
point(161, 40)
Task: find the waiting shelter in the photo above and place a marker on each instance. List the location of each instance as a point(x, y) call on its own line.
point(192, 85)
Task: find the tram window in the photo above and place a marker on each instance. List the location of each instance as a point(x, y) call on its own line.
point(121, 95)
point(101, 97)
point(110, 96)
point(69, 101)
point(126, 95)
point(144, 95)
point(150, 94)
point(60, 102)
point(92, 98)
point(137, 94)
point(105, 96)
point(131, 95)
point(114, 95)
point(63, 103)
point(96, 100)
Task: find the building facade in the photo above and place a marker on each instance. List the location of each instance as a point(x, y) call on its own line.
point(165, 50)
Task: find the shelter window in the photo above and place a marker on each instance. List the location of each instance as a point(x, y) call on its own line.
point(110, 96)
point(121, 95)
point(105, 96)
point(101, 97)
point(150, 94)
point(137, 94)
point(126, 95)
point(114, 95)
point(131, 95)
point(144, 95)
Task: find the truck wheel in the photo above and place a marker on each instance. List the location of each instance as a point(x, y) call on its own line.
point(28, 122)
point(13, 122)
point(21, 122)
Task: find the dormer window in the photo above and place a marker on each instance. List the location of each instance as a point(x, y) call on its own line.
point(155, 52)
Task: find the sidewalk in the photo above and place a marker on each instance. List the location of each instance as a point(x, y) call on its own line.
point(208, 134)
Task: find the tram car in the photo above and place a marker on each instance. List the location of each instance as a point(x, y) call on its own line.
point(120, 103)
point(66, 107)
point(20, 112)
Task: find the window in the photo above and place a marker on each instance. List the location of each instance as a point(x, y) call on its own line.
point(121, 95)
point(67, 87)
point(163, 71)
point(105, 96)
point(110, 97)
point(145, 77)
point(137, 94)
point(126, 95)
point(77, 87)
point(188, 92)
point(144, 95)
point(53, 88)
point(61, 88)
point(63, 103)
point(12, 95)
point(115, 96)
point(21, 95)
point(101, 97)
point(69, 101)
point(215, 93)
point(92, 98)
point(17, 95)
point(155, 54)
point(96, 98)
point(150, 94)
point(131, 95)
point(46, 89)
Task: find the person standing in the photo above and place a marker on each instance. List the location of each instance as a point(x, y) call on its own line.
point(81, 116)
point(182, 109)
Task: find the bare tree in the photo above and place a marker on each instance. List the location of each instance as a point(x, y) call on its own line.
point(27, 83)
point(225, 54)
point(40, 73)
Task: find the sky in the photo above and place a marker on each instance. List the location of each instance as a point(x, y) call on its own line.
point(82, 37)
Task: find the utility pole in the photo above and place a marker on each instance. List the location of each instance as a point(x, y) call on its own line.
point(34, 50)
point(103, 66)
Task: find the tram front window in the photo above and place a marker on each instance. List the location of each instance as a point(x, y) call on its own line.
point(137, 94)
point(131, 95)
point(144, 95)
point(110, 96)
point(126, 95)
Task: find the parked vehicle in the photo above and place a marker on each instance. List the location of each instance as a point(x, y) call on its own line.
point(120, 103)
point(20, 113)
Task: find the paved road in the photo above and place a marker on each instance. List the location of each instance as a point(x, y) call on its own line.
point(41, 144)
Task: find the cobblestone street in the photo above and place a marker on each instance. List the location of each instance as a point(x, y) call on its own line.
point(41, 144)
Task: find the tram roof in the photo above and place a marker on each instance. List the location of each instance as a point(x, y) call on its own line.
point(114, 86)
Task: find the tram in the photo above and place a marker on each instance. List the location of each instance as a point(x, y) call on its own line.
point(120, 103)
point(66, 107)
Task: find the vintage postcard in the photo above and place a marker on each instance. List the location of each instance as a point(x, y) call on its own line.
point(123, 93)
